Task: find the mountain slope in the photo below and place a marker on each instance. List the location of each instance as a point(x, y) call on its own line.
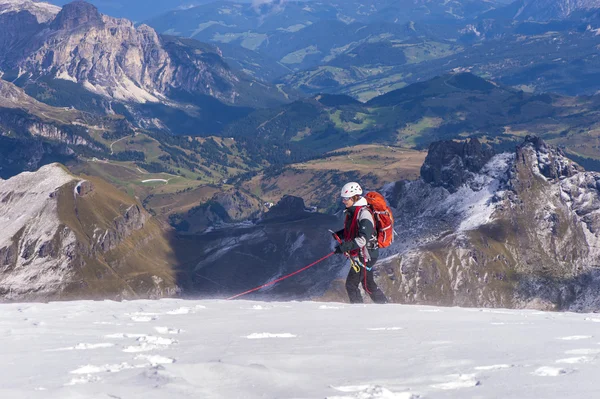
point(519, 231)
point(65, 237)
point(456, 105)
point(106, 65)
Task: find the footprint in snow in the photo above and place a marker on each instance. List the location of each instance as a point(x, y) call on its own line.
point(439, 342)
point(551, 371)
point(593, 319)
point(149, 342)
point(87, 372)
point(584, 351)
point(182, 310)
point(458, 381)
point(370, 392)
point(106, 368)
point(142, 317)
point(385, 328)
point(575, 360)
point(167, 330)
point(83, 380)
point(123, 335)
point(575, 337)
point(269, 335)
point(155, 360)
point(82, 347)
point(494, 367)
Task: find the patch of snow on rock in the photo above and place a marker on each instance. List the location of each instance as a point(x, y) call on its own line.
point(474, 200)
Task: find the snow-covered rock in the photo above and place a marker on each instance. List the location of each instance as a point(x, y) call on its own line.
point(523, 231)
point(43, 12)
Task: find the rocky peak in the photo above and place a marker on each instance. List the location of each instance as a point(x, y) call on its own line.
point(548, 161)
point(288, 207)
point(450, 164)
point(43, 12)
point(76, 14)
point(523, 231)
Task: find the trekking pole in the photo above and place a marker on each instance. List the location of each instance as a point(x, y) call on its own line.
point(281, 278)
point(352, 263)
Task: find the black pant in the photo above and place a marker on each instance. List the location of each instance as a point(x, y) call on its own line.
point(365, 277)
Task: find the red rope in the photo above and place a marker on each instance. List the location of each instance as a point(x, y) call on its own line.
point(281, 278)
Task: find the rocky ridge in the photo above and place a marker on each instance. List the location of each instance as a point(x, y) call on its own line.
point(522, 231)
point(113, 58)
point(66, 238)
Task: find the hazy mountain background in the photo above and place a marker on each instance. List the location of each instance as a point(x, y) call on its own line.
point(138, 10)
point(220, 134)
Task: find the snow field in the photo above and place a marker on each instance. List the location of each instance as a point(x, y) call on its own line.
point(228, 349)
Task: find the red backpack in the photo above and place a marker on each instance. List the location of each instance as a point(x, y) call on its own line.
point(384, 220)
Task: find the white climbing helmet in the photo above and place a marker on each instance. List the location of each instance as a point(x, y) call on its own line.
point(351, 189)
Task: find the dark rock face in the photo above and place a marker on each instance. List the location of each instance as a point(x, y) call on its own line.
point(550, 161)
point(17, 156)
point(133, 219)
point(14, 29)
point(522, 232)
point(288, 207)
point(450, 164)
point(76, 14)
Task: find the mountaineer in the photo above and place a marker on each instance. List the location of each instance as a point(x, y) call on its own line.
point(359, 242)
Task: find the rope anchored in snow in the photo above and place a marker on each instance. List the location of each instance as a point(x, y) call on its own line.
point(281, 278)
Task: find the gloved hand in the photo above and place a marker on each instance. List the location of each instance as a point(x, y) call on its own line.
point(344, 247)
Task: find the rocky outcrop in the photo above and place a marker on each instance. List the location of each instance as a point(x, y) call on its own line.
point(63, 238)
point(289, 208)
point(123, 226)
point(42, 12)
point(114, 58)
point(523, 231)
point(223, 209)
point(450, 164)
point(77, 15)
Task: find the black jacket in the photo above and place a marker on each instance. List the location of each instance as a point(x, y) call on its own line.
point(366, 230)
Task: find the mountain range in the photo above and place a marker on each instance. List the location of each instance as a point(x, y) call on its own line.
point(343, 48)
point(76, 56)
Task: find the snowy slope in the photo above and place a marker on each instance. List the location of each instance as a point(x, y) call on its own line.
point(240, 349)
point(42, 11)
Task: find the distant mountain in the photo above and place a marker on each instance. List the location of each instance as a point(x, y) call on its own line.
point(306, 34)
point(101, 64)
point(349, 48)
point(33, 134)
point(546, 10)
point(447, 106)
point(65, 237)
point(138, 10)
point(556, 56)
point(226, 17)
